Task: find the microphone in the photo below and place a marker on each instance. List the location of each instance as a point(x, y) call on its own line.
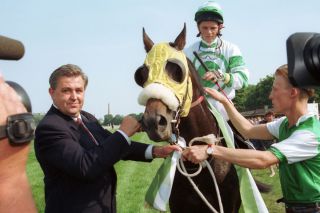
point(10, 49)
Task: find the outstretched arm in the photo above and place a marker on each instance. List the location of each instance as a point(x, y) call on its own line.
point(241, 123)
point(253, 159)
point(164, 151)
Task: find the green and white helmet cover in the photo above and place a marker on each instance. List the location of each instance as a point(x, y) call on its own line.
point(209, 11)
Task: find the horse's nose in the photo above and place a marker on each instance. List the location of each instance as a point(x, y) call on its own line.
point(156, 122)
point(162, 121)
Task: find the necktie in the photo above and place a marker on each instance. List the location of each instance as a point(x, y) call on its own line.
point(80, 122)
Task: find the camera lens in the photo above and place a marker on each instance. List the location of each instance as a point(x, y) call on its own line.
point(312, 56)
point(303, 53)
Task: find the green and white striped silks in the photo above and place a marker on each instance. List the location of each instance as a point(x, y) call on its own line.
point(159, 191)
point(251, 198)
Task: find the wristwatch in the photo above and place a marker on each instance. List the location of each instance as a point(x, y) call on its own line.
point(210, 149)
point(19, 129)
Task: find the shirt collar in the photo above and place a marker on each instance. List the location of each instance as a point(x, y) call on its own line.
point(305, 117)
point(207, 45)
point(76, 118)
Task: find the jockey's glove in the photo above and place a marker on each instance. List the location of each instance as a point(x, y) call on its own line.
point(226, 78)
point(221, 76)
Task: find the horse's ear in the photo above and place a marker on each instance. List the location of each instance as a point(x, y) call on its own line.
point(148, 43)
point(180, 41)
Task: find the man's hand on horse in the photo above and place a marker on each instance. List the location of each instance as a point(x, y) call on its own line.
point(195, 154)
point(164, 151)
point(130, 125)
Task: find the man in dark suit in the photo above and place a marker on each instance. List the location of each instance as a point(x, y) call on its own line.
point(75, 152)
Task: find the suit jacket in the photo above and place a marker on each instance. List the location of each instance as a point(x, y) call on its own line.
point(79, 175)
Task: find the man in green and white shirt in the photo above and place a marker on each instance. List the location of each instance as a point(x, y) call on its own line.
point(298, 149)
point(299, 156)
point(222, 58)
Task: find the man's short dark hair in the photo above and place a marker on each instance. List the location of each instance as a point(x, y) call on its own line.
point(68, 70)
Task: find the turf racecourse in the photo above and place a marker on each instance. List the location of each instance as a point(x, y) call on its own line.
point(134, 179)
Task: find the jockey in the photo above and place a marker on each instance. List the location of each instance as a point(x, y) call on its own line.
point(222, 58)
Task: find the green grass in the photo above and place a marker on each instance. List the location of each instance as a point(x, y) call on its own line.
point(134, 179)
point(270, 198)
point(35, 176)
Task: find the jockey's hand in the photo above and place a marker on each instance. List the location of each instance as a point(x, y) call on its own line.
point(216, 75)
point(164, 151)
point(195, 154)
point(213, 76)
point(215, 94)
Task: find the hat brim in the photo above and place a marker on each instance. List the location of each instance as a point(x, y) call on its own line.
point(208, 16)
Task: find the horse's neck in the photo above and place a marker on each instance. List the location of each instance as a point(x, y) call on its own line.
point(198, 123)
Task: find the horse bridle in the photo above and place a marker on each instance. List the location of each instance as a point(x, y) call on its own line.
point(175, 130)
point(177, 118)
point(176, 121)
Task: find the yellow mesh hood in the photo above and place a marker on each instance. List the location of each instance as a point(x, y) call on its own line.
point(156, 61)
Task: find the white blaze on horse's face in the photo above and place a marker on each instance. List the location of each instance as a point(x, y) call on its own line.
point(164, 85)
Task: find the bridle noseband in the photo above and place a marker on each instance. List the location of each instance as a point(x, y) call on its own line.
point(176, 121)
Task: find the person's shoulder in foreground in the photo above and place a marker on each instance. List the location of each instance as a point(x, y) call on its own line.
point(15, 192)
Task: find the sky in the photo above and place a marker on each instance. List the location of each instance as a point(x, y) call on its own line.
point(104, 38)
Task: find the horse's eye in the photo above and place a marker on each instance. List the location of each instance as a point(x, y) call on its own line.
point(141, 75)
point(174, 71)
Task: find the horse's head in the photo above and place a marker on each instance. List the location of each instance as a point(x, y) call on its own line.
point(167, 86)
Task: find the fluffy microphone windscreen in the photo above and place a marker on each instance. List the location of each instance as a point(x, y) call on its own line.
point(10, 49)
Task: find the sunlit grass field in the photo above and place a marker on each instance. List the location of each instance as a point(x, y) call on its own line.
point(134, 179)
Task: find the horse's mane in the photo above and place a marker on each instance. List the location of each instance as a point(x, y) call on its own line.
point(195, 78)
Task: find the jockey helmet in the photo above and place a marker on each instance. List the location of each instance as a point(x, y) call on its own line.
point(209, 11)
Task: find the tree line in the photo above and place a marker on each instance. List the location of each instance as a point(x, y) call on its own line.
point(110, 120)
point(257, 96)
point(107, 120)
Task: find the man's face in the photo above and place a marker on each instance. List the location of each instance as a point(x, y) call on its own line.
point(208, 30)
point(69, 95)
point(281, 94)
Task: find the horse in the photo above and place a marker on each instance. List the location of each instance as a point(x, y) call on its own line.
point(185, 114)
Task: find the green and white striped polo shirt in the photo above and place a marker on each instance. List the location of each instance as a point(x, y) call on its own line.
point(298, 151)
